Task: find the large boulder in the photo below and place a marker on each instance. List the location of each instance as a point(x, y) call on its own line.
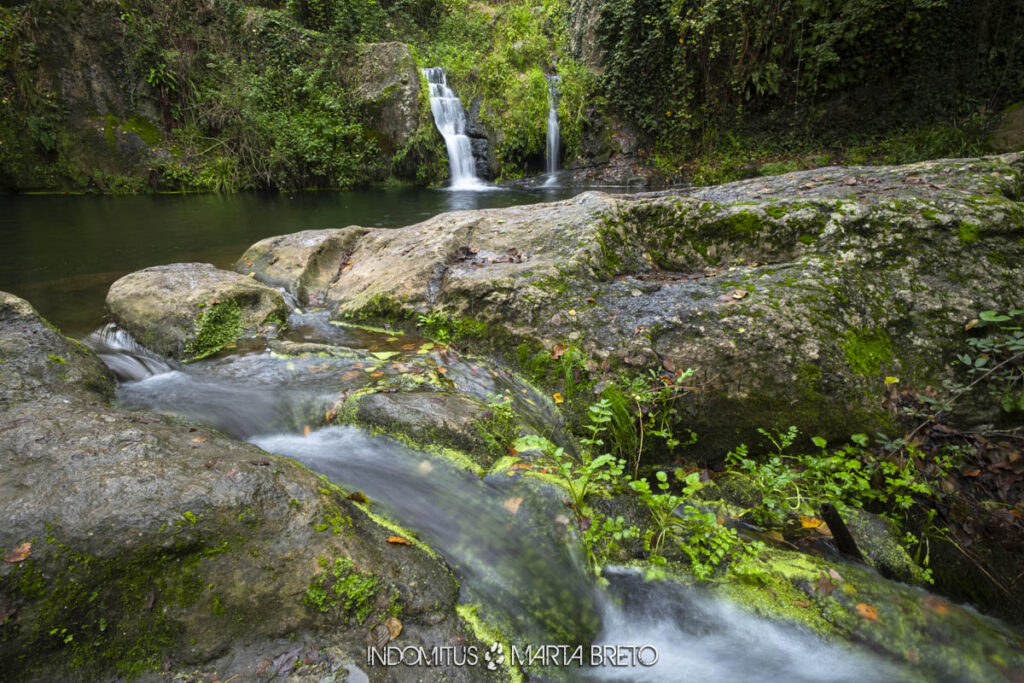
point(193, 310)
point(385, 81)
point(36, 360)
point(792, 297)
point(134, 543)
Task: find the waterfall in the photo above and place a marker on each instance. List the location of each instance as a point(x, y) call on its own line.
point(450, 119)
point(554, 135)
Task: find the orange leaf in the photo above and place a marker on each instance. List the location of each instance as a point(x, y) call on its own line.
point(971, 471)
point(377, 374)
point(398, 540)
point(936, 604)
point(521, 466)
point(306, 430)
point(558, 398)
point(810, 522)
point(556, 351)
point(19, 554)
point(394, 626)
point(867, 611)
point(442, 369)
point(349, 376)
point(801, 603)
point(199, 439)
point(512, 504)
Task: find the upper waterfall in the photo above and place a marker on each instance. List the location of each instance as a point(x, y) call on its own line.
point(450, 119)
point(553, 152)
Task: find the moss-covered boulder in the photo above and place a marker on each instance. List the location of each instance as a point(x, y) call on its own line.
point(793, 297)
point(193, 310)
point(133, 543)
point(385, 82)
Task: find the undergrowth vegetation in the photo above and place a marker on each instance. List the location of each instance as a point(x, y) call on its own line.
point(903, 81)
point(628, 428)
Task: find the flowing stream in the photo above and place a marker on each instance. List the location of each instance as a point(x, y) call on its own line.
point(450, 118)
point(508, 538)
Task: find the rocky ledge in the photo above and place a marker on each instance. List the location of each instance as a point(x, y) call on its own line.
point(134, 543)
point(793, 298)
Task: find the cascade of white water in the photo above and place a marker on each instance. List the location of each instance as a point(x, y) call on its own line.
point(450, 119)
point(554, 135)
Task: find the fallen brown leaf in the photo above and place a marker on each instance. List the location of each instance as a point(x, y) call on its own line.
point(19, 554)
point(398, 540)
point(512, 504)
point(394, 627)
point(936, 604)
point(359, 497)
point(824, 585)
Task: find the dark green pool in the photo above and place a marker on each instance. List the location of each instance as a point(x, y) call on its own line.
point(61, 253)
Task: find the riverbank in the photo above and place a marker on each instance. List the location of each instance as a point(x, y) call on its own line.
point(528, 369)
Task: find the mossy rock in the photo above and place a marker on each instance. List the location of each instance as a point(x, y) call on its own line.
point(792, 297)
point(193, 310)
point(135, 543)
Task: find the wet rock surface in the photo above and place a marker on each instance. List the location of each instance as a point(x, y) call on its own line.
point(136, 543)
point(792, 297)
point(191, 310)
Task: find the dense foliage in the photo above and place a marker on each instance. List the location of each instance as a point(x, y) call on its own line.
point(688, 71)
point(231, 95)
point(227, 95)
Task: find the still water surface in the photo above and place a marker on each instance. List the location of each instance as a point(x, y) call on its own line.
point(62, 253)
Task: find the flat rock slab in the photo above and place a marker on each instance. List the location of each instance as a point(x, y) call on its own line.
point(192, 310)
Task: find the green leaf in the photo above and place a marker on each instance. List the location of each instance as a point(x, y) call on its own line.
point(993, 317)
point(384, 355)
point(819, 442)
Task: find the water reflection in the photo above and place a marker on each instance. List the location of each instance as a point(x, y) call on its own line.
point(62, 253)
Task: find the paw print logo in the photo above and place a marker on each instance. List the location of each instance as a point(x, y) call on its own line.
point(494, 656)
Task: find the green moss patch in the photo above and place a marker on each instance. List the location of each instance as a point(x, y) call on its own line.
point(217, 326)
point(867, 352)
point(100, 614)
point(341, 586)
